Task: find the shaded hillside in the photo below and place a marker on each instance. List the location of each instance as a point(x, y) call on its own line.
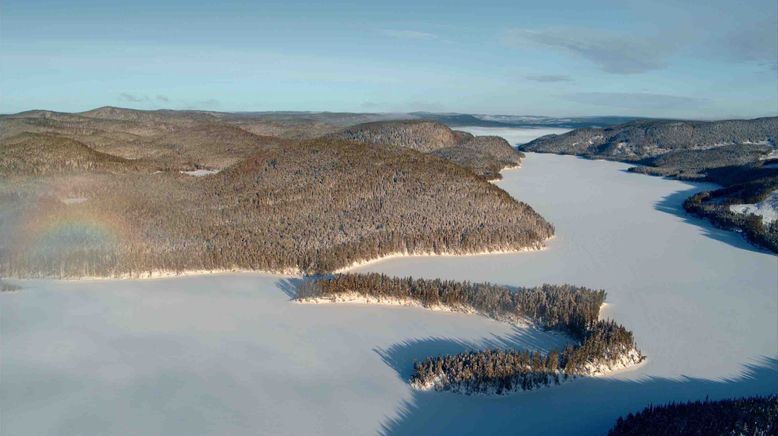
point(742, 185)
point(419, 135)
point(42, 154)
point(484, 155)
point(636, 141)
point(171, 139)
point(316, 206)
point(302, 125)
point(736, 154)
point(757, 416)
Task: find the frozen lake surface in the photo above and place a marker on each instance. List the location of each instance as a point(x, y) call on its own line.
point(230, 354)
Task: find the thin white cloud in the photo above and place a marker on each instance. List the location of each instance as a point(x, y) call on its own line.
point(637, 100)
point(548, 78)
point(408, 34)
point(612, 52)
point(132, 98)
point(757, 43)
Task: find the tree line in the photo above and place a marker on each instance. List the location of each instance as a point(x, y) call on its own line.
point(751, 416)
point(572, 309)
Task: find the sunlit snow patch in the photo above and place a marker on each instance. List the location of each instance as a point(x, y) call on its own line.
point(73, 200)
point(767, 208)
point(200, 172)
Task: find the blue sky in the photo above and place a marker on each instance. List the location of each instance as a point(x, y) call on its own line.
point(665, 58)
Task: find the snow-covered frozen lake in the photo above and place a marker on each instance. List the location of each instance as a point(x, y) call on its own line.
point(230, 354)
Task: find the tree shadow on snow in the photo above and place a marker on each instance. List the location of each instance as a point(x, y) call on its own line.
point(402, 356)
point(585, 406)
point(289, 286)
point(673, 204)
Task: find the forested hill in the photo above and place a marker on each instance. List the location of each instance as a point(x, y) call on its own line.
point(101, 194)
point(484, 155)
point(640, 140)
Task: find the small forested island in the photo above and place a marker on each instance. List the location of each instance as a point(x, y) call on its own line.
point(116, 192)
point(601, 345)
point(739, 155)
point(753, 416)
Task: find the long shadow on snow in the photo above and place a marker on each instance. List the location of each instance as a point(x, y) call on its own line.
point(402, 356)
point(289, 286)
point(673, 204)
point(585, 406)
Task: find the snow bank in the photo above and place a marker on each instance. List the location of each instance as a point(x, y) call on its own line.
point(403, 254)
point(357, 298)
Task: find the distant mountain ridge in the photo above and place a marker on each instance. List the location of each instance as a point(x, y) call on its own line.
point(482, 120)
point(638, 140)
point(343, 119)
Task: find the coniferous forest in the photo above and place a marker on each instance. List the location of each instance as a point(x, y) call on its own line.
point(753, 416)
point(102, 193)
point(601, 344)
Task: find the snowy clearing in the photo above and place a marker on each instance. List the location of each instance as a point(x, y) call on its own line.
point(767, 208)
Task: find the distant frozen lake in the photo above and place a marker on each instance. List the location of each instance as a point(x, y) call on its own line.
point(230, 354)
point(513, 135)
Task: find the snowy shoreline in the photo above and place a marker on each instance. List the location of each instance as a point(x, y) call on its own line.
point(540, 246)
point(287, 272)
point(167, 274)
point(361, 299)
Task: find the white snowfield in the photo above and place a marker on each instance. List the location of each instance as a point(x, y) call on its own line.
point(767, 208)
point(232, 354)
point(199, 172)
